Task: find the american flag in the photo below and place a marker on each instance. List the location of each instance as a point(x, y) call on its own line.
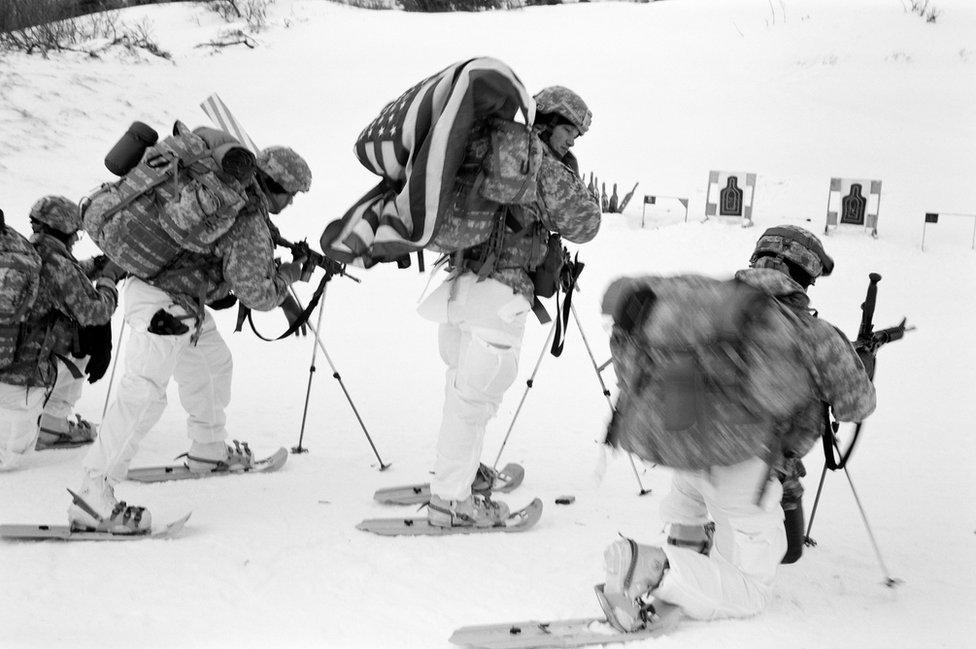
point(416, 144)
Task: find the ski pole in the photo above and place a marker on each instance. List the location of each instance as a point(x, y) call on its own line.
point(111, 376)
point(807, 540)
point(606, 393)
point(311, 373)
point(528, 386)
point(335, 374)
point(889, 581)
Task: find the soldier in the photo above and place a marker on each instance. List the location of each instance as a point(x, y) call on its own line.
point(733, 576)
point(57, 430)
point(482, 307)
point(66, 301)
point(172, 336)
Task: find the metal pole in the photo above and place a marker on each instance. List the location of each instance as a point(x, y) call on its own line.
point(115, 361)
point(528, 386)
point(813, 513)
point(335, 374)
point(889, 581)
point(606, 393)
point(311, 374)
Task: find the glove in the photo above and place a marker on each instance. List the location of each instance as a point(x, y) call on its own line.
point(93, 267)
point(225, 302)
point(291, 272)
point(113, 271)
point(96, 343)
point(292, 313)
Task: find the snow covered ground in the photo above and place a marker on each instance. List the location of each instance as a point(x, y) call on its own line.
point(794, 91)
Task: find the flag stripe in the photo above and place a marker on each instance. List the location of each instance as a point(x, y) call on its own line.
point(417, 143)
point(218, 112)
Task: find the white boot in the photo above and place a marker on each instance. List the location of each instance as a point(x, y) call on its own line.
point(210, 457)
point(632, 571)
point(60, 432)
point(95, 508)
point(473, 511)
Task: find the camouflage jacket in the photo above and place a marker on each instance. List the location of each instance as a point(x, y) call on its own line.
point(66, 299)
point(838, 377)
point(564, 206)
point(241, 262)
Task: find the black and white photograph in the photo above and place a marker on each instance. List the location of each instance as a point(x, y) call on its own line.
point(487, 324)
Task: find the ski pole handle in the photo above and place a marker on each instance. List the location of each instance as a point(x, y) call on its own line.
point(864, 334)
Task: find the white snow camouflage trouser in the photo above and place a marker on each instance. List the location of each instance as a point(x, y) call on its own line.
point(202, 372)
point(19, 409)
point(67, 390)
point(736, 579)
point(480, 336)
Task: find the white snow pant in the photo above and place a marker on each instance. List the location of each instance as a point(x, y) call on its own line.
point(736, 579)
point(67, 389)
point(202, 371)
point(480, 335)
point(19, 409)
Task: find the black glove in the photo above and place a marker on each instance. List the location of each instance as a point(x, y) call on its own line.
point(94, 266)
point(225, 302)
point(293, 312)
point(96, 343)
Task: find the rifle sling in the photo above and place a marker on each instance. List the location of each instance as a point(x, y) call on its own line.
point(244, 313)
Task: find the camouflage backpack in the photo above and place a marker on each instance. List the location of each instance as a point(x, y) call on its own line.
point(709, 370)
point(184, 195)
point(20, 272)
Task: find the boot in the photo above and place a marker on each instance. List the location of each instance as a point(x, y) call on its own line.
point(633, 571)
point(473, 511)
point(58, 431)
point(95, 508)
point(215, 457)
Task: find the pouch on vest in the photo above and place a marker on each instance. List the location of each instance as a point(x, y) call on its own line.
point(512, 165)
point(546, 276)
point(20, 272)
point(708, 370)
point(184, 195)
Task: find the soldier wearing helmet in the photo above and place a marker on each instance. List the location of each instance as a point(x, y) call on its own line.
point(282, 174)
point(561, 116)
point(726, 568)
point(49, 349)
point(495, 283)
point(174, 337)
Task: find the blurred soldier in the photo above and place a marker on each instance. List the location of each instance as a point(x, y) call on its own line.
point(66, 302)
point(729, 572)
point(172, 336)
point(482, 307)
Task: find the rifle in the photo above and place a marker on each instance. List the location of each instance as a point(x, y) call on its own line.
point(867, 344)
point(312, 258)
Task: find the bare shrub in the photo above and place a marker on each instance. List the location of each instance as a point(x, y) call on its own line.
point(924, 10)
point(434, 6)
point(254, 13)
point(76, 34)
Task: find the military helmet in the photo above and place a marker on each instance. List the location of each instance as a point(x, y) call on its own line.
point(57, 212)
point(566, 103)
point(286, 168)
point(794, 244)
